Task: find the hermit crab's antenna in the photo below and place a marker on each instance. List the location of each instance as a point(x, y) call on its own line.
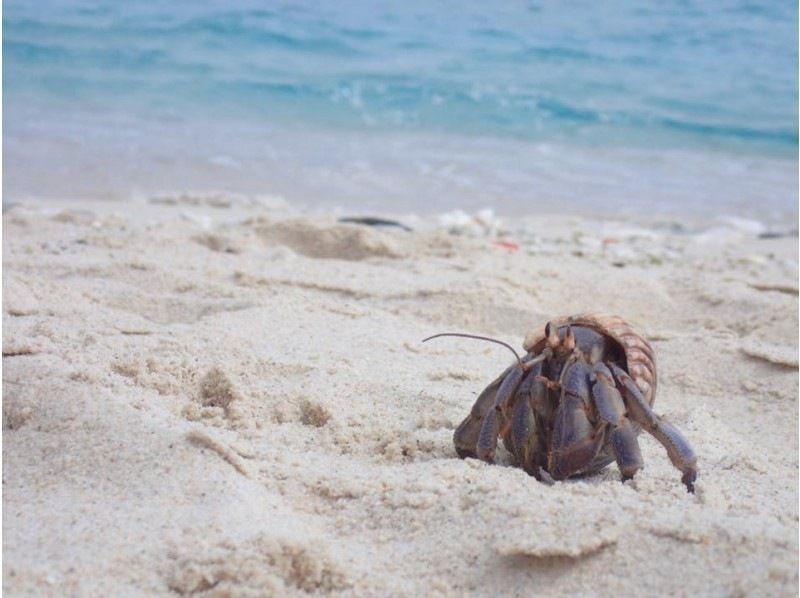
point(480, 338)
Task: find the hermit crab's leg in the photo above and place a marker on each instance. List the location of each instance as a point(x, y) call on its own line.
point(487, 439)
point(466, 435)
point(524, 435)
point(476, 436)
point(497, 423)
point(495, 418)
point(611, 409)
point(678, 448)
point(575, 441)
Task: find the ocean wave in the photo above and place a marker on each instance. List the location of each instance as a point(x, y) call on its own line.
point(682, 75)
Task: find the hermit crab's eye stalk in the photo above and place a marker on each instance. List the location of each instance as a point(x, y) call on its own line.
point(480, 338)
point(569, 339)
point(551, 333)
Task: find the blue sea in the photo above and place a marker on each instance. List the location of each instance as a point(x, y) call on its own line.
point(676, 108)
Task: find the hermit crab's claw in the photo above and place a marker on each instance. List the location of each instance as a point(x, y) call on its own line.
point(575, 439)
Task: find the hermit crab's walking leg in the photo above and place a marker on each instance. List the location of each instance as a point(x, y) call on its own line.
point(496, 418)
point(523, 440)
point(467, 434)
point(476, 436)
point(497, 422)
point(576, 441)
point(678, 448)
point(611, 409)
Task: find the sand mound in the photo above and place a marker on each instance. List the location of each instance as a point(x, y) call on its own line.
point(333, 241)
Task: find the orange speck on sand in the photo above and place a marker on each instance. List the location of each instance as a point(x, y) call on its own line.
point(509, 244)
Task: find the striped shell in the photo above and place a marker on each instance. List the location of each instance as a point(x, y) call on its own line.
point(641, 362)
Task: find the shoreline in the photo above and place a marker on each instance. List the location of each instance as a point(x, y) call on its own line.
point(228, 396)
point(426, 173)
point(222, 207)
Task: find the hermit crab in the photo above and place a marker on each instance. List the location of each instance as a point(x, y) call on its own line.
point(575, 402)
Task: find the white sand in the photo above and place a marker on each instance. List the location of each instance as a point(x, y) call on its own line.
point(203, 396)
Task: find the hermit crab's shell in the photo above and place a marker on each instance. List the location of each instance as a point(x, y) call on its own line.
point(640, 360)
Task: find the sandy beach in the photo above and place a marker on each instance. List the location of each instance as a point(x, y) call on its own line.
point(213, 395)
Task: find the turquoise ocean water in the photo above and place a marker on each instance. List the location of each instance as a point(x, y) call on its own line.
point(674, 108)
